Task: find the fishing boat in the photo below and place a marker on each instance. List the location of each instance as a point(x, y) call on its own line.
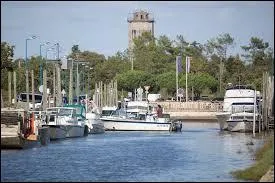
point(64, 122)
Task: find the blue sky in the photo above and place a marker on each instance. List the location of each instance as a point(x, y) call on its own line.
point(102, 26)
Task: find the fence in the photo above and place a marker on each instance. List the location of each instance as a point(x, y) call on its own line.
point(198, 106)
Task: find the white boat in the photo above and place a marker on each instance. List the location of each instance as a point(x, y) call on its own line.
point(63, 122)
point(235, 94)
point(95, 125)
point(241, 119)
point(138, 116)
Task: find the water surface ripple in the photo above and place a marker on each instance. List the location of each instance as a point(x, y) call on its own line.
point(199, 153)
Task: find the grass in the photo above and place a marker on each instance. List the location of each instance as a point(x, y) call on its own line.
point(264, 159)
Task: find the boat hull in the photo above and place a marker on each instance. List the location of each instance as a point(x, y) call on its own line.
point(74, 131)
point(222, 119)
point(57, 131)
point(134, 125)
point(95, 125)
point(241, 126)
point(96, 128)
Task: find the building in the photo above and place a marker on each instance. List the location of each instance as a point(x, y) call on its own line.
point(139, 22)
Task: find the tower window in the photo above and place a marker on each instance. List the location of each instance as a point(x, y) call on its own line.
point(141, 16)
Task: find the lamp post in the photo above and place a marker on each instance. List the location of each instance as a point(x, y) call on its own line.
point(27, 69)
point(41, 66)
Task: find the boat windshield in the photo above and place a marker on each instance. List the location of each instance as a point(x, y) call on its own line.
point(65, 112)
point(107, 112)
point(136, 107)
point(242, 108)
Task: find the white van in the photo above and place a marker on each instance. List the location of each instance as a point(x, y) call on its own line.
point(22, 97)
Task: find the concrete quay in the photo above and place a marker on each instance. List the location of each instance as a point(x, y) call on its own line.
point(188, 115)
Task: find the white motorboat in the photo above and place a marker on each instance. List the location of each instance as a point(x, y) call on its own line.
point(138, 117)
point(64, 122)
point(234, 94)
point(241, 119)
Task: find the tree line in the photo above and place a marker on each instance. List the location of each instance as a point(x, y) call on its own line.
point(154, 64)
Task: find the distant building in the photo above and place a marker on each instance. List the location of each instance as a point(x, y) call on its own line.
point(139, 22)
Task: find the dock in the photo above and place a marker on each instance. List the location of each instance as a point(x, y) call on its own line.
point(19, 130)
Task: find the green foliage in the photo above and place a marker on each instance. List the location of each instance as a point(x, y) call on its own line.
point(154, 61)
point(131, 80)
point(6, 56)
point(199, 82)
point(168, 81)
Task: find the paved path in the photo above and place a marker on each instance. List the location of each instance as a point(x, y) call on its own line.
point(269, 176)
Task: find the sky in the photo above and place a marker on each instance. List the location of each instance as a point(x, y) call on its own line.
point(102, 27)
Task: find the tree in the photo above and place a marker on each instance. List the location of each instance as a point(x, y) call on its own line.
point(7, 52)
point(132, 79)
point(220, 47)
point(199, 82)
point(6, 63)
point(167, 81)
point(259, 56)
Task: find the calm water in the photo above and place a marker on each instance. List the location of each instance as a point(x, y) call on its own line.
point(199, 153)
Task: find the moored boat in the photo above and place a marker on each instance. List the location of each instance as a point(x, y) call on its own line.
point(234, 94)
point(138, 116)
point(64, 122)
point(242, 117)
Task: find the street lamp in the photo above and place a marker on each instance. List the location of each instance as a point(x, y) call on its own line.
point(27, 69)
point(41, 67)
point(49, 49)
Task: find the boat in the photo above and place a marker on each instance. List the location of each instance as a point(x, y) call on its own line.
point(138, 116)
point(234, 94)
point(57, 128)
point(241, 119)
point(95, 125)
point(65, 122)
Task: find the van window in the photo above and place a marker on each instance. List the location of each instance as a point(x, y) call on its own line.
point(37, 98)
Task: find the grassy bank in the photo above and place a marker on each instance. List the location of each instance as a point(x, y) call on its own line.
point(264, 159)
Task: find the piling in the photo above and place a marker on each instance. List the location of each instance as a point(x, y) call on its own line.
point(9, 81)
point(45, 95)
point(14, 87)
point(33, 99)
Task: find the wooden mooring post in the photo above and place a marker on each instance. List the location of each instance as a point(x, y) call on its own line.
point(14, 87)
point(268, 100)
point(33, 99)
point(45, 95)
point(9, 89)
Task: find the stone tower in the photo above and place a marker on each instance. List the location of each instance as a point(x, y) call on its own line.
point(139, 22)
